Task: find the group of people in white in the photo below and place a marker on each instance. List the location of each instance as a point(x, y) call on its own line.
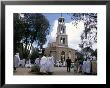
point(17, 62)
point(87, 66)
point(47, 63)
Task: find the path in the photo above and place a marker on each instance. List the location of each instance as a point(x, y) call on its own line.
point(57, 71)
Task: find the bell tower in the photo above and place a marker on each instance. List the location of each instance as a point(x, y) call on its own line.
point(61, 38)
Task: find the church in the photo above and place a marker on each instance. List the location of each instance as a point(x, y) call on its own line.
point(59, 49)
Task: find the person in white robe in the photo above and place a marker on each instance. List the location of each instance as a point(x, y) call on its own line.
point(84, 67)
point(28, 64)
point(88, 66)
point(17, 54)
point(37, 61)
point(53, 60)
point(16, 60)
point(23, 63)
point(43, 64)
point(50, 65)
point(75, 67)
point(64, 63)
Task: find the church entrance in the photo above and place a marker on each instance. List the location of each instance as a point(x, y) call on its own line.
point(62, 57)
point(53, 53)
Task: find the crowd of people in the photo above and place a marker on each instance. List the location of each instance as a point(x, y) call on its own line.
point(87, 67)
point(46, 64)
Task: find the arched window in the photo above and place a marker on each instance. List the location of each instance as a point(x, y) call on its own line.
point(63, 40)
point(62, 56)
point(62, 30)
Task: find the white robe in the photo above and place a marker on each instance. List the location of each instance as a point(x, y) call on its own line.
point(37, 61)
point(22, 63)
point(64, 63)
point(28, 64)
point(50, 64)
point(84, 66)
point(43, 64)
point(15, 61)
point(17, 55)
point(88, 66)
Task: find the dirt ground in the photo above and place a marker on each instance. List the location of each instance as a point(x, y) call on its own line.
point(57, 71)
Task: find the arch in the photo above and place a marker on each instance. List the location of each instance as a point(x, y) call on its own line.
point(62, 56)
point(61, 40)
point(62, 30)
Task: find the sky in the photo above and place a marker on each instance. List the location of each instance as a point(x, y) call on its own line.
point(72, 31)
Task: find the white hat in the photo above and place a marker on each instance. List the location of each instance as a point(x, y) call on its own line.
point(17, 53)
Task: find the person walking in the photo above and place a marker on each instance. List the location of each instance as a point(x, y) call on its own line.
point(16, 61)
point(88, 67)
point(43, 64)
point(68, 61)
point(84, 67)
point(50, 65)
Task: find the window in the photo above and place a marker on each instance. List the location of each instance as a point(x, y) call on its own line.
point(62, 30)
point(63, 40)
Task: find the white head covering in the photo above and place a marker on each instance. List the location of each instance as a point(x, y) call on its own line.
point(37, 61)
point(16, 61)
point(17, 55)
point(43, 60)
point(50, 64)
point(43, 64)
point(88, 66)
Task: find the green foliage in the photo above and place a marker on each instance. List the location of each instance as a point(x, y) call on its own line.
point(34, 55)
point(88, 52)
point(35, 69)
point(81, 58)
point(26, 54)
point(94, 53)
point(18, 31)
point(89, 35)
point(39, 27)
point(32, 27)
point(87, 49)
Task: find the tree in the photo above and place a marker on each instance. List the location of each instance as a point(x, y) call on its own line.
point(94, 53)
point(26, 54)
point(38, 28)
point(34, 54)
point(32, 27)
point(79, 56)
point(18, 31)
point(87, 52)
point(89, 35)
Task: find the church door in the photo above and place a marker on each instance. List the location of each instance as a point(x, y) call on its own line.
point(62, 56)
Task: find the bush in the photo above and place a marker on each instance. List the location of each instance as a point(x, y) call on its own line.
point(35, 69)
